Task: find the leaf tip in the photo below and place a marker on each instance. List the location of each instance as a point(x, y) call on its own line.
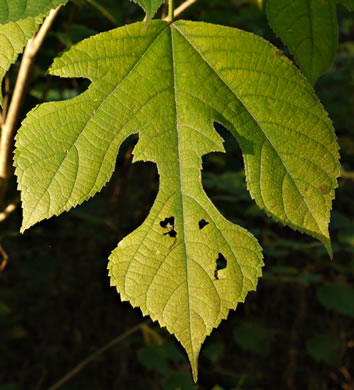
point(194, 365)
point(327, 244)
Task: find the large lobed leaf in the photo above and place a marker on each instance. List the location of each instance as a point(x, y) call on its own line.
point(149, 6)
point(19, 20)
point(309, 28)
point(185, 266)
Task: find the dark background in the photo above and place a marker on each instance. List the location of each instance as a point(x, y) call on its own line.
point(56, 306)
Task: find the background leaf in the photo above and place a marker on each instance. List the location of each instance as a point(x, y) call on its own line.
point(309, 29)
point(170, 266)
point(253, 337)
point(325, 348)
point(337, 297)
point(149, 6)
point(158, 356)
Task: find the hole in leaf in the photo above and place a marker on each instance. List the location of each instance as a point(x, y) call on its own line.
point(171, 233)
point(202, 223)
point(168, 223)
point(221, 263)
point(58, 89)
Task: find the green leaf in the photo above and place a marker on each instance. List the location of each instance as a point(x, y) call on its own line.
point(170, 82)
point(337, 297)
point(325, 348)
point(13, 38)
point(149, 6)
point(253, 337)
point(178, 381)
point(13, 11)
point(346, 235)
point(18, 22)
point(157, 357)
point(309, 28)
point(214, 351)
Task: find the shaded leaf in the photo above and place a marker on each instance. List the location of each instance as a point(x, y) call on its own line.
point(337, 297)
point(347, 235)
point(309, 29)
point(157, 357)
point(178, 380)
point(170, 82)
point(325, 348)
point(253, 337)
point(77, 33)
point(149, 6)
point(213, 351)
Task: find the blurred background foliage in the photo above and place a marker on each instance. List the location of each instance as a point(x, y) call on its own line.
point(56, 306)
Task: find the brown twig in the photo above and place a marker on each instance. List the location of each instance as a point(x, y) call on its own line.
point(9, 209)
point(164, 10)
point(5, 257)
point(94, 355)
point(6, 99)
point(10, 125)
point(347, 175)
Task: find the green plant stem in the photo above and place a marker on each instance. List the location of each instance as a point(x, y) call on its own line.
point(170, 11)
point(182, 8)
point(94, 355)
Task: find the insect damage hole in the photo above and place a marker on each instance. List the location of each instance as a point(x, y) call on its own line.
point(202, 223)
point(221, 263)
point(169, 225)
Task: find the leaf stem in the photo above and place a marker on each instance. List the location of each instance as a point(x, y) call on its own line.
point(182, 8)
point(170, 11)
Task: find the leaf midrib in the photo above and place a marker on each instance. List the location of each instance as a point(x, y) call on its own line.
point(181, 186)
